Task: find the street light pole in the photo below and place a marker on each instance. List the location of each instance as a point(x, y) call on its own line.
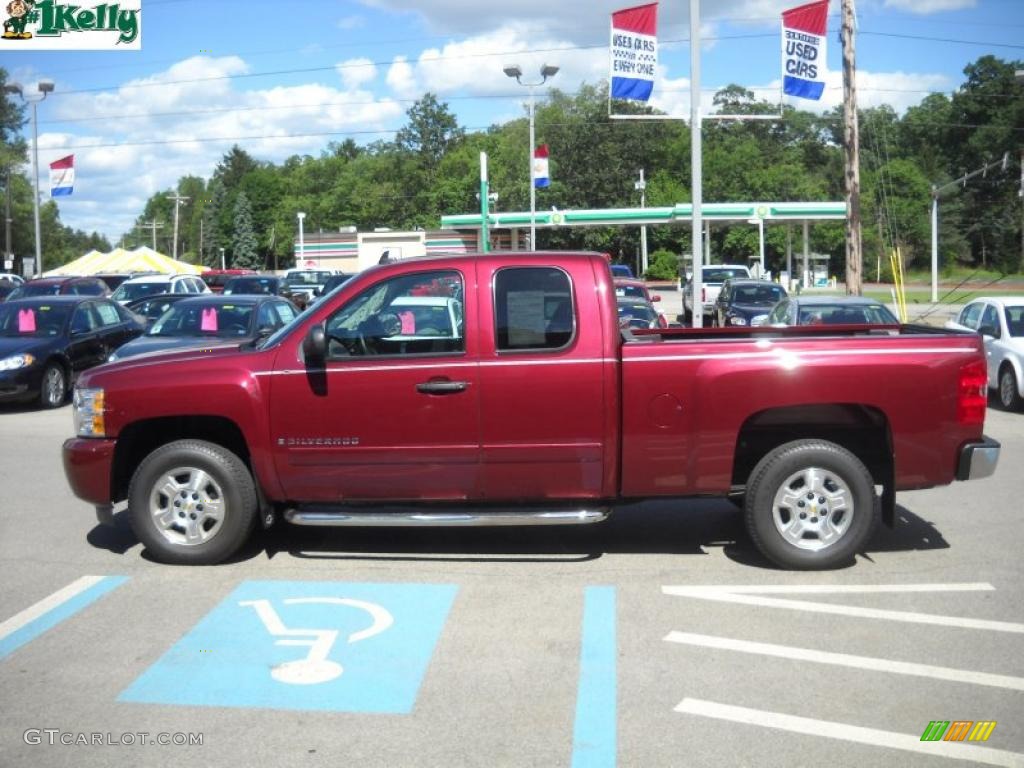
point(516, 72)
point(302, 240)
point(43, 87)
point(222, 264)
point(642, 186)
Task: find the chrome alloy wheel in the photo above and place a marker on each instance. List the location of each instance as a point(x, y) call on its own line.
point(1007, 389)
point(53, 386)
point(187, 506)
point(813, 508)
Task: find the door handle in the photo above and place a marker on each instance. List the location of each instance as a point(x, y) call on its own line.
point(441, 387)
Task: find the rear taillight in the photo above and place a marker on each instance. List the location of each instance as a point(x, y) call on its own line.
point(972, 393)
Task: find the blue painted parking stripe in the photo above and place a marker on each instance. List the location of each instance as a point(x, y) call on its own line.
point(51, 611)
point(593, 744)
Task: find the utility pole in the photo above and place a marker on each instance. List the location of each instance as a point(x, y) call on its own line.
point(851, 142)
point(154, 226)
point(178, 200)
point(642, 186)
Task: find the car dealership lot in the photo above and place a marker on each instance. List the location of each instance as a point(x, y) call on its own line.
point(655, 639)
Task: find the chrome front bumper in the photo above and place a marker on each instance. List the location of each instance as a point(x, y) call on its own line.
point(978, 460)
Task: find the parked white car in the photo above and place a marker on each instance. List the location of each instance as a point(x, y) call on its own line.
point(12, 278)
point(150, 285)
point(1000, 321)
point(712, 277)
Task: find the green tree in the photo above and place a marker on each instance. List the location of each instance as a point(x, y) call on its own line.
point(432, 131)
point(244, 253)
point(235, 164)
point(213, 233)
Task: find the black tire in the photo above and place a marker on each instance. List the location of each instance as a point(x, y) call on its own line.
point(219, 479)
point(850, 509)
point(1009, 395)
point(53, 389)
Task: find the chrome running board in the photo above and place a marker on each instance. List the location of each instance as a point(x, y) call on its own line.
point(323, 515)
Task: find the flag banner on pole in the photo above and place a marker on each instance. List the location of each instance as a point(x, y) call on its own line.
point(803, 50)
point(634, 52)
point(62, 176)
point(541, 178)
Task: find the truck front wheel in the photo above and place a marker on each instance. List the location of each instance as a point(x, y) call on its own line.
point(810, 505)
point(192, 502)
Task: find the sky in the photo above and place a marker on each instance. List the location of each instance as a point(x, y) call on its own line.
point(282, 78)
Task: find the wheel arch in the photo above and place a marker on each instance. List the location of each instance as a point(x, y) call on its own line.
point(862, 429)
point(1013, 364)
point(140, 438)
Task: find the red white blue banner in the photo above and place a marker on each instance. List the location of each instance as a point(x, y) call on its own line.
point(541, 175)
point(803, 50)
point(62, 176)
point(634, 52)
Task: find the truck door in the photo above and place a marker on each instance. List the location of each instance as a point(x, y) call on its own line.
point(547, 394)
point(393, 412)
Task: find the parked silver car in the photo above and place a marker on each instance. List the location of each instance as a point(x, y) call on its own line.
point(1000, 321)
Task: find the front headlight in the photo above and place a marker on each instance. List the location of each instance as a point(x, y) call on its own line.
point(737, 320)
point(14, 362)
point(88, 412)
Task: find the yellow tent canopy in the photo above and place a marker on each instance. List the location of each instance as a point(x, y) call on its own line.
point(120, 261)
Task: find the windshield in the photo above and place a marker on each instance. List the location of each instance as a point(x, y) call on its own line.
point(34, 320)
point(846, 314)
point(310, 278)
point(132, 291)
point(637, 314)
point(35, 289)
point(214, 320)
point(758, 294)
point(1015, 321)
point(251, 285)
point(631, 291)
point(720, 275)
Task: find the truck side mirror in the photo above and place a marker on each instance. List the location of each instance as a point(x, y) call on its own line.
point(314, 346)
point(989, 330)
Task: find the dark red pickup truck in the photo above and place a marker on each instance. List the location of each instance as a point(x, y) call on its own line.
point(499, 389)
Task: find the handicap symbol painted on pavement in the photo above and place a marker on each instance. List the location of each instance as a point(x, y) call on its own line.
point(312, 645)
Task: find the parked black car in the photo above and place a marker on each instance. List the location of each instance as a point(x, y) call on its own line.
point(46, 342)
point(741, 300)
point(61, 286)
point(198, 321)
point(152, 307)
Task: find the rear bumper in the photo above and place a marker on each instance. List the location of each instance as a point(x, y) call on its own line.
point(978, 460)
point(88, 462)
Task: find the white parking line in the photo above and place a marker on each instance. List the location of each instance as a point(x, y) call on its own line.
point(843, 732)
point(847, 660)
point(61, 596)
point(750, 596)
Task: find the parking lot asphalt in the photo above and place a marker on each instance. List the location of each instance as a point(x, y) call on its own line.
point(659, 638)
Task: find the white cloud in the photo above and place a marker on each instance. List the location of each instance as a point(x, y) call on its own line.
point(351, 22)
point(142, 137)
point(357, 72)
point(402, 79)
point(924, 7)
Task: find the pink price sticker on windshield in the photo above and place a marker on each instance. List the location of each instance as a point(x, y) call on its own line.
point(408, 322)
point(26, 321)
point(209, 320)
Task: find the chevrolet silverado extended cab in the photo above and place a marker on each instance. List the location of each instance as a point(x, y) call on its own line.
point(513, 397)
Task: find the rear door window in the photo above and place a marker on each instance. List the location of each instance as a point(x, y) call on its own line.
point(534, 309)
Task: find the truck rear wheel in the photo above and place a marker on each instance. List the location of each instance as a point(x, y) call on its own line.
point(192, 502)
point(810, 505)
